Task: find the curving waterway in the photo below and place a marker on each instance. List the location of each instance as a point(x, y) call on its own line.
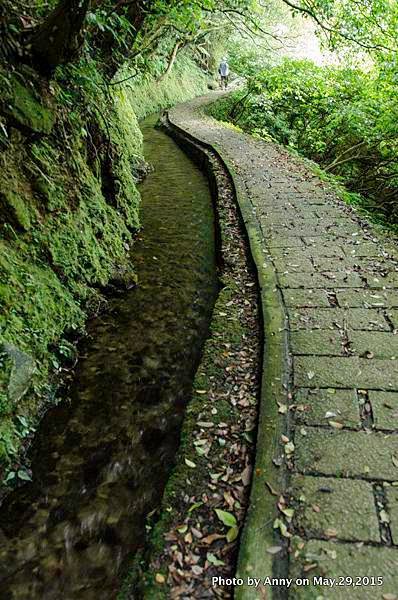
point(100, 461)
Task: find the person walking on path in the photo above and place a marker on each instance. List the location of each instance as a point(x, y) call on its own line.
point(223, 70)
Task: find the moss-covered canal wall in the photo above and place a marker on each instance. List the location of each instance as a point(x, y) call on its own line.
point(69, 207)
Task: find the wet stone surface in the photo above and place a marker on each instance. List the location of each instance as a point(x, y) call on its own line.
point(323, 507)
point(351, 562)
point(338, 278)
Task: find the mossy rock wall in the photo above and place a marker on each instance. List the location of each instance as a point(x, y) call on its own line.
point(69, 207)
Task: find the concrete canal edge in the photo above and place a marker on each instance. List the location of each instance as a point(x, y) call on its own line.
point(258, 533)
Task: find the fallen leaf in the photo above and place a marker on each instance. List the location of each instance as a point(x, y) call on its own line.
point(214, 560)
point(278, 524)
point(190, 464)
point(197, 570)
point(209, 539)
point(330, 414)
point(384, 518)
point(271, 489)
point(330, 532)
point(188, 538)
point(307, 568)
point(310, 374)
point(289, 448)
point(274, 549)
point(232, 534)
point(194, 506)
point(159, 578)
point(246, 475)
point(225, 517)
point(196, 533)
point(288, 512)
point(336, 425)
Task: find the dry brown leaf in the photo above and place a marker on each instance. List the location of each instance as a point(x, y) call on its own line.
point(209, 539)
point(330, 532)
point(246, 475)
point(271, 489)
point(336, 424)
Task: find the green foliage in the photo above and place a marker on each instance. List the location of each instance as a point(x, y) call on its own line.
point(344, 119)
point(149, 95)
point(75, 207)
point(371, 24)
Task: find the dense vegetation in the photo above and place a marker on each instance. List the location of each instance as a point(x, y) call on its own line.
point(343, 118)
point(342, 115)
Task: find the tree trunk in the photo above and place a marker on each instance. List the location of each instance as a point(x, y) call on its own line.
point(58, 39)
point(172, 58)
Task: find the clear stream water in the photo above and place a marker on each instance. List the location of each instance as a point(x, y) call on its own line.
point(100, 462)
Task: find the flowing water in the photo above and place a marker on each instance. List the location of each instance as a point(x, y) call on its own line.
point(100, 461)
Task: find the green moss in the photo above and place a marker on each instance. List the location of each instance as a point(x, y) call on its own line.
point(69, 207)
point(26, 108)
point(14, 210)
point(151, 94)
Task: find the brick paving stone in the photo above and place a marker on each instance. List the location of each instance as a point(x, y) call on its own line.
point(324, 405)
point(393, 315)
point(285, 242)
point(389, 281)
point(345, 506)
point(319, 371)
point(329, 318)
point(322, 343)
point(380, 344)
point(392, 506)
point(320, 241)
point(320, 280)
point(367, 298)
point(334, 251)
point(385, 409)
point(296, 265)
point(306, 298)
point(364, 249)
point(348, 561)
point(344, 453)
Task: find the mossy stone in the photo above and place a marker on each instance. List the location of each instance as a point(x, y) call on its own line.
point(13, 210)
point(27, 110)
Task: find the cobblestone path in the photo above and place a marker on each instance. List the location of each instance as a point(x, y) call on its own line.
point(324, 498)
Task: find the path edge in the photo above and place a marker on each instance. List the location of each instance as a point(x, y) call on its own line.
point(268, 479)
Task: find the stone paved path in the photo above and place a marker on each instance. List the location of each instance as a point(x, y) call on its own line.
point(328, 432)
